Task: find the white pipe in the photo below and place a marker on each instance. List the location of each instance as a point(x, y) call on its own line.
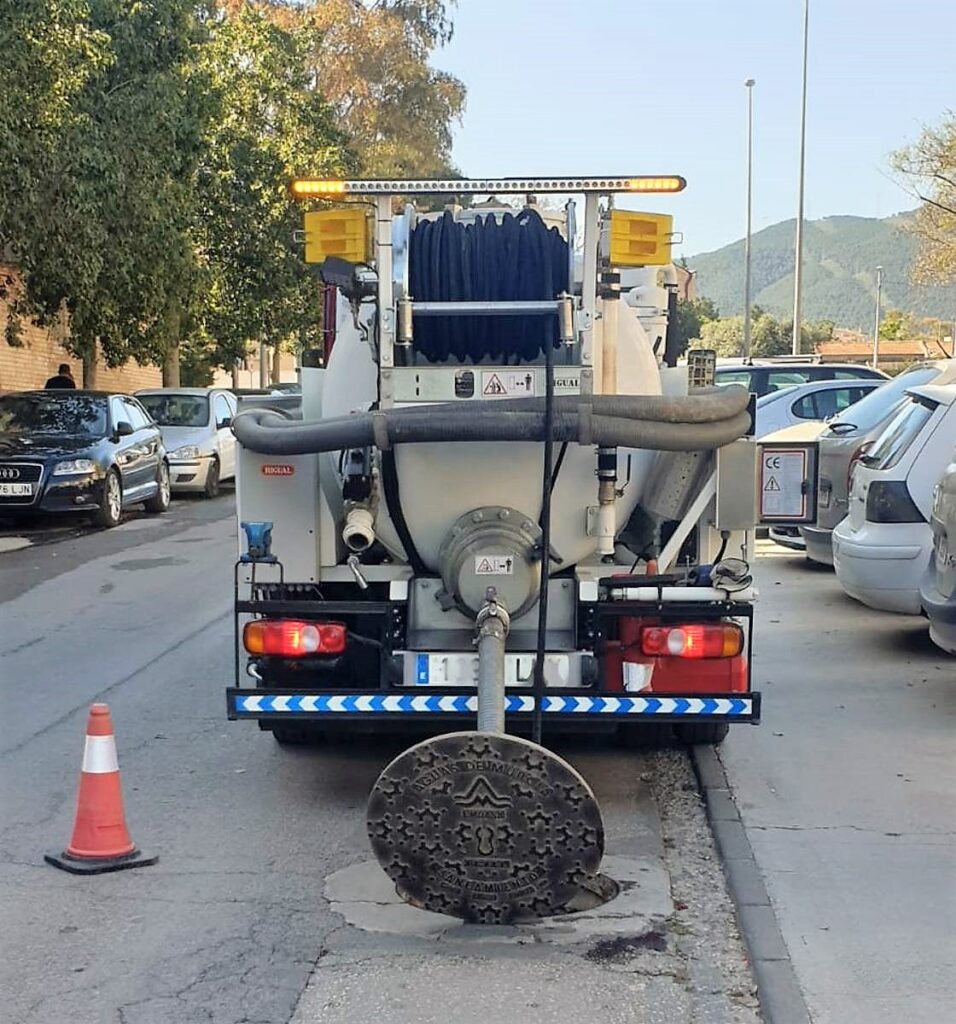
point(359, 529)
point(694, 594)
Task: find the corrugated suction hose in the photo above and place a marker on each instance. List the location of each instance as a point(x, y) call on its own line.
point(705, 420)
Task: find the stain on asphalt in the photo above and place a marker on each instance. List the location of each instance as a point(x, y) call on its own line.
point(133, 564)
point(622, 948)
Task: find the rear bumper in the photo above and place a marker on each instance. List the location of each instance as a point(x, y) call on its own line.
point(884, 576)
point(819, 543)
point(461, 707)
point(781, 535)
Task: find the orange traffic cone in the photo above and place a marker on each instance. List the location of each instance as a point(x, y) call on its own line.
point(100, 841)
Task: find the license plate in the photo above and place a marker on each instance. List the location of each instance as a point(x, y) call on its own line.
point(16, 490)
point(462, 669)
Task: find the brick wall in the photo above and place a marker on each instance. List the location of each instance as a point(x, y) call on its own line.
point(31, 365)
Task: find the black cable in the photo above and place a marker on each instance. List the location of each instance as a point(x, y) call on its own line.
point(546, 482)
point(558, 465)
point(393, 502)
point(724, 537)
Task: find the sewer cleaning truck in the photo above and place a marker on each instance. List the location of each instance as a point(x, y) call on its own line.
point(497, 479)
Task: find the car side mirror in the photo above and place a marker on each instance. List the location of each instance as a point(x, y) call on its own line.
point(226, 421)
point(124, 429)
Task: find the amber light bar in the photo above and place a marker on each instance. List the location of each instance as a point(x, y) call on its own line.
point(309, 188)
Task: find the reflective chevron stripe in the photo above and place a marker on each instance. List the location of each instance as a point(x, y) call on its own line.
point(401, 703)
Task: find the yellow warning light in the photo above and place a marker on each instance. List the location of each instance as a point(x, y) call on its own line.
point(307, 188)
point(665, 184)
point(342, 233)
point(638, 239)
point(310, 188)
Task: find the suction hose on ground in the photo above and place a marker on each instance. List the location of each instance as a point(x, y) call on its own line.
point(706, 420)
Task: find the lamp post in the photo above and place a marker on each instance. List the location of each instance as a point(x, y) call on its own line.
point(876, 326)
point(750, 167)
point(798, 255)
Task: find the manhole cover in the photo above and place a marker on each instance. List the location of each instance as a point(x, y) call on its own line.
point(485, 827)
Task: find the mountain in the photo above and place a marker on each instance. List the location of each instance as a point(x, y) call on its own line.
point(840, 257)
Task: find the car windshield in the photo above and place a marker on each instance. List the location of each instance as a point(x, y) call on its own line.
point(66, 414)
point(177, 410)
point(879, 403)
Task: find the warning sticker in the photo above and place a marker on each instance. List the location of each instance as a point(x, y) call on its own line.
point(506, 383)
point(494, 565)
point(783, 483)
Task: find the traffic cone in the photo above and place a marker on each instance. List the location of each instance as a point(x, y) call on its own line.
point(101, 840)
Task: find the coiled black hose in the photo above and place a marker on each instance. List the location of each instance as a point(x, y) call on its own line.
point(517, 258)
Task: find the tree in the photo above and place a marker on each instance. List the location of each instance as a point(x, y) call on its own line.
point(894, 326)
point(271, 126)
point(929, 170)
point(691, 315)
point(371, 62)
point(725, 336)
point(101, 214)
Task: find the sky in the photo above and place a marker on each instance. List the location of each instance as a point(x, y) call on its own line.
point(637, 87)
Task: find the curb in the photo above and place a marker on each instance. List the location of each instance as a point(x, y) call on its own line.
point(781, 1000)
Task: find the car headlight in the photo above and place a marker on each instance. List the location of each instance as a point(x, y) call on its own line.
point(74, 466)
point(187, 452)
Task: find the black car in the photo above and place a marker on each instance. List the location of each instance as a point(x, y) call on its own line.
point(84, 452)
point(764, 377)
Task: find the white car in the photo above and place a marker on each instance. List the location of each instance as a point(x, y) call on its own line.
point(938, 592)
point(195, 423)
point(882, 548)
point(816, 401)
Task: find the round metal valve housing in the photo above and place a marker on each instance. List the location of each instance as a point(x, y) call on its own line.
point(492, 547)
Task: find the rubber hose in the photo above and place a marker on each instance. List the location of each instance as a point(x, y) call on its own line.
point(273, 434)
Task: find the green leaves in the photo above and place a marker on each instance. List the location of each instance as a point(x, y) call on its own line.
point(145, 150)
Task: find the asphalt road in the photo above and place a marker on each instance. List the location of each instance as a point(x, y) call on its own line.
point(848, 794)
point(237, 924)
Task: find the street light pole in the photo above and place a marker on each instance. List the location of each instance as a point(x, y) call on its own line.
point(876, 326)
point(798, 255)
point(750, 167)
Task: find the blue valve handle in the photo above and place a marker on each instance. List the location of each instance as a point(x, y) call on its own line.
point(258, 543)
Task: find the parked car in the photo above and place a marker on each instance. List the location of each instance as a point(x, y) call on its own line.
point(882, 547)
point(195, 423)
point(764, 376)
point(818, 401)
point(86, 452)
point(938, 591)
point(847, 437)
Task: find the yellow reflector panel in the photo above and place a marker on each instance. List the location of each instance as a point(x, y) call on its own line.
point(342, 233)
point(639, 239)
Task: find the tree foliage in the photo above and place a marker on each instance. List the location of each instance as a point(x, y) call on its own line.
point(929, 169)
point(692, 314)
point(101, 214)
point(271, 125)
point(145, 150)
point(769, 336)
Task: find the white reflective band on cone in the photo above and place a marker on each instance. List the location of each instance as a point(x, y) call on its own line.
point(99, 755)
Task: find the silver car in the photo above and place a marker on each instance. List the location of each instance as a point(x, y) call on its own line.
point(847, 437)
point(195, 423)
point(938, 592)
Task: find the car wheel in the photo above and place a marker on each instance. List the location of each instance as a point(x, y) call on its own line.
point(111, 506)
point(159, 502)
point(298, 735)
point(713, 733)
point(212, 480)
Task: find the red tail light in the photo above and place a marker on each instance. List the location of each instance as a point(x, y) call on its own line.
point(291, 638)
point(854, 459)
point(692, 641)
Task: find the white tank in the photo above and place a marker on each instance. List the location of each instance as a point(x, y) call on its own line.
point(441, 482)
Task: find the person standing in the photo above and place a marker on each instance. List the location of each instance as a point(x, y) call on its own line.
point(63, 378)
